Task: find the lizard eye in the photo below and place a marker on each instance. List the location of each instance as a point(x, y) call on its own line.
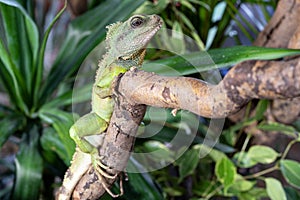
point(136, 22)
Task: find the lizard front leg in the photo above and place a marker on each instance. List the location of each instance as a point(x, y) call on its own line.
point(86, 154)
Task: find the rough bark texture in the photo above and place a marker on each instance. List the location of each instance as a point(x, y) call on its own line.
point(118, 144)
point(282, 31)
point(261, 80)
point(254, 79)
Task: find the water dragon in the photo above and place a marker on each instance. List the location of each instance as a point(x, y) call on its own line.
point(126, 47)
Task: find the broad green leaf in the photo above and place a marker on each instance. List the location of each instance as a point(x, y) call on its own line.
point(50, 141)
point(275, 189)
point(225, 172)
point(215, 58)
point(262, 154)
point(31, 28)
point(256, 154)
point(187, 163)
point(141, 185)
point(204, 187)
point(11, 78)
point(61, 122)
point(291, 193)
point(158, 151)
point(49, 115)
point(243, 160)
point(241, 185)
point(22, 42)
point(29, 167)
point(204, 150)
point(291, 172)
point(254, 194)
point(62, 128)
point(68, 98)
point(9, 125)
point(275, 126)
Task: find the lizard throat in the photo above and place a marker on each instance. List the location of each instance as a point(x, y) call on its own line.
point(136, 58)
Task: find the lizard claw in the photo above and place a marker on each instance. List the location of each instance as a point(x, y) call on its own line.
point(100, 168)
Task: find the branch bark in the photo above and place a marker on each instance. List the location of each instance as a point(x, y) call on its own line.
point(282, 31)
point(118, 144)
point(246, 81)
point(261, 80)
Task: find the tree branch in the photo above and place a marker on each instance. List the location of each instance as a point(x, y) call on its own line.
point(261, 80)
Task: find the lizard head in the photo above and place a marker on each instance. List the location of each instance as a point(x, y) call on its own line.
point(127, 40)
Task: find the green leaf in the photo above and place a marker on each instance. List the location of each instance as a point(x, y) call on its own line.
point(70, 97)
point(11, 78)
point(141, 185)
point(275, 126)
point(50, 141)
point(177, 38)
point(260, 109)
point(188, 5)
point(84, 34)
point(61, 122)
point(262, 154)
point(291, 172)
point(275, 189)
point(9, 125)
point(149, 8)
point(174, 191)
point(31, 28)
point(241, 185)
point(158, 151)
point(204, 150)
point(38, 70)
point(291, 193)
point(187, 163)
point(225, 172)
point(254, 194)
point(29, 167)
point(215, 58)
point(194, 33)
point(256, 154)
point(22, 39)
point(204, 187)
point(243, 160)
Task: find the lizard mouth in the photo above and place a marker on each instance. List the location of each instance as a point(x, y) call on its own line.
point(156, 26)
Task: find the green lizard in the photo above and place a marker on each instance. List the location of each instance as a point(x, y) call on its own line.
point(126, 43)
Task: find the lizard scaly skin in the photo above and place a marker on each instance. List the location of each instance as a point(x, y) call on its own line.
point(126, 43)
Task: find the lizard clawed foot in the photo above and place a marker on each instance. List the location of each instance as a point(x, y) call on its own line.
point(100, 170)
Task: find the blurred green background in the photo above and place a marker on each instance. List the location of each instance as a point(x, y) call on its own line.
point(42, 48)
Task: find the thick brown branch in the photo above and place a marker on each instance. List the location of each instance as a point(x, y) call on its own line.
point(263, 80)
point(283, 30)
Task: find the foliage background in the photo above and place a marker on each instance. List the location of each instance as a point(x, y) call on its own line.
point(38, 65)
